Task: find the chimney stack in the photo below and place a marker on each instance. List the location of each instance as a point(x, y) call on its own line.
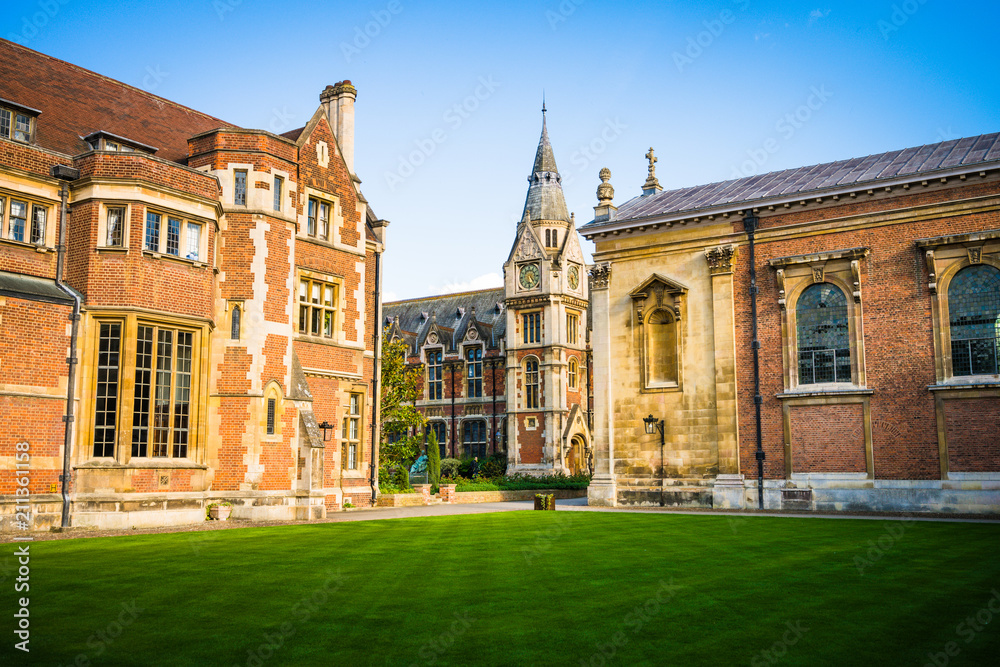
point(339, 102)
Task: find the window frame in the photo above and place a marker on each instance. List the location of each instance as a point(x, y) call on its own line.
point(237, 173)
point(352, 432)
point(531, 331)
point(14, 114)
point(434, 381)
point(481, 444)
point(279, 190)
point(473, 371)
point(572, 373)
point(531, 395)
point(29, 225)
point(164, 220)
point(308, 310)
point(837, 380)
point(572, 327)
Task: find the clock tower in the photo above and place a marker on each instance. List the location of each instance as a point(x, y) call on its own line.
point(547, 297)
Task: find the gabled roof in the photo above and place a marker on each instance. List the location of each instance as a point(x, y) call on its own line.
point(453, 315)
point(75, 102)
point(545, 200)
point(854, 173)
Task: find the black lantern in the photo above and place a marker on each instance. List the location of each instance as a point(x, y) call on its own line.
point(653, 425)
point(327, 427)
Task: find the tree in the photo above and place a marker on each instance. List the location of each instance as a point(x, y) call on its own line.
point(400, 391)
point(433, 459)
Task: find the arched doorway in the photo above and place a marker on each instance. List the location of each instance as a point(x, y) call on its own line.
point(576, 457)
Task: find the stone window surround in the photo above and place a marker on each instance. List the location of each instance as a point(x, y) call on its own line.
point(647, 299)
point(945, 256)
point(360, 471)
point(338, 315)
point(51, 220)
point(161, 253)
point(841, 268)
point(523, 394)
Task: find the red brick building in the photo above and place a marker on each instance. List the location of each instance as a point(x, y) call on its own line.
point(508, 369)
point(199, 299)
point(874, 316)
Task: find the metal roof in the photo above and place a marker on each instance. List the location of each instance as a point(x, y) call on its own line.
point(33, 288)
point(856, 172)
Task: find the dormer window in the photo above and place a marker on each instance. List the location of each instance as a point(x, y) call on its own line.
point(105, 141)
point(17, 122)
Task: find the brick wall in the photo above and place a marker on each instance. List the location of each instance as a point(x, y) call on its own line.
point(972, 428)
point(828, 438)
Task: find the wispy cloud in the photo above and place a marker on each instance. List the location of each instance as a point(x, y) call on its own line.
point(484, 281)
point(817, 14)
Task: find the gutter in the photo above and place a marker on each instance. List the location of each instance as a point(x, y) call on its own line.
point(67, 174)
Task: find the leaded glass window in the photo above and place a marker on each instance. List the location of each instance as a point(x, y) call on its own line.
point(974, 314)
point(532, 323)
point(823, 335)
point(38, 215)
point(106, 398)
point(240, 193)
point(279, 182)
point(22, 128)
point(173, 236)
point(435, 375)
point(531, 383)
point(143, 386)
point(116, 220)
point(18, 219)
point(193, 241)
point(234, 333)
point(474, 364)
point(474, 438)
point(153, 231)
point(5, 123)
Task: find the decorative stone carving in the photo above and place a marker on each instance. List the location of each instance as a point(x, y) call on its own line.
point(652, 185)
point(605, 192)
point(432, 338)
point(931, 272)
point(528, 247)
point(780, 277)
point(473, 333)
point(818, 273)
point(720, 259)
point(975, 255)
point(600, 275)
point(856, 279)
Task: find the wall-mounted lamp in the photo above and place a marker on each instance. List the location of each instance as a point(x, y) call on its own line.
point(327, 427)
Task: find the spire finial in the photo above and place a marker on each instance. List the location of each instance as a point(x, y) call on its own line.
point(652, 185)
point(543, 103)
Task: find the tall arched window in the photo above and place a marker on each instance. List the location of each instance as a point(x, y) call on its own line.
point(661, 345)
point(974, 319)
point(474, 438)
point(531, 383)
point(235, 333)
point(572, 372)
point(822, 335)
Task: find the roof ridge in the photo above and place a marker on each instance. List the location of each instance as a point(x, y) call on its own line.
point(121, 83)
point(445, 296)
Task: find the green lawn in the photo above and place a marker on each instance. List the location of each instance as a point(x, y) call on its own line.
point(520, 588)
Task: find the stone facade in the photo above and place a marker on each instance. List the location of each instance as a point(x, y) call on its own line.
point(901, 416)
point(228, 304)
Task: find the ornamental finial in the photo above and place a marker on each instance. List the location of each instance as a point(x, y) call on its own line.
point(652, 185)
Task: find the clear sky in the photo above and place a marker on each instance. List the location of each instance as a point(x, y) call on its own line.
point(449, 101)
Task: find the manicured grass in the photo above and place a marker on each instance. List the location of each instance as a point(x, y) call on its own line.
point(520, 588)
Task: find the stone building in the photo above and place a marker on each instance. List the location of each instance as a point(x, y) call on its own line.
point(875, 319)
point(188, 308)
point(508, 369)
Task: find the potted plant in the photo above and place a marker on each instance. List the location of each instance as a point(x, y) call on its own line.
point(220, 511)
point(545, 501)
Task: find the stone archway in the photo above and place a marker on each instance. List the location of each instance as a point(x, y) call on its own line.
point(576, 456)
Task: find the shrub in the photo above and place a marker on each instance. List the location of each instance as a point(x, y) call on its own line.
point(494, 466)
point(449, 468)
point(433, 460)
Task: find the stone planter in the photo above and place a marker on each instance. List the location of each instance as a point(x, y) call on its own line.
point(220, 512)
point(540, 499)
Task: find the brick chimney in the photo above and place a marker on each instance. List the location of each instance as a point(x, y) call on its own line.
point(339, 102)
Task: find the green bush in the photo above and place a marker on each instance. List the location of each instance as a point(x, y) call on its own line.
point(519, 483)
point(449, 468)
point(495, 465)
point(433, 460)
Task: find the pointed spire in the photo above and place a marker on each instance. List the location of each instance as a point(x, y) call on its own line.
point(545, 199)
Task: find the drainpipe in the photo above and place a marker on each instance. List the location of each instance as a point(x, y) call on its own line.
point(66, 174)
point(376, 395)
point(493, 365)
point(750, 223)
point(454, 367)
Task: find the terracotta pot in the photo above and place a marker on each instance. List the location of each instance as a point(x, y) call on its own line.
point(220, 512)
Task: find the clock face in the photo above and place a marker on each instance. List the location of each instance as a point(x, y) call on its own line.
point(529, 276)
point(574, 277)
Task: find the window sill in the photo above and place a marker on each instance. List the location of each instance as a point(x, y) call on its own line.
point(198, 264)
point(32, 246)
point(660, 388)
point(318, 340)
point(112, 249)
point(974, 383)
point(828, 390)
point(140, 463)
point(353, 474)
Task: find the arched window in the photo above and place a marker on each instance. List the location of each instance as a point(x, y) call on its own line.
point(662, 347)
point(474, 438)
point(572, 372)
point(235, 333)
point(822, 335)
point(531, 383)
point(974, 319)
point(441, 433)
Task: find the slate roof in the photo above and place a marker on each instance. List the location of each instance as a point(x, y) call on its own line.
point(545, 200)
point(76, 102)
point(854, 173)
point(33, 288)
point(417, 315)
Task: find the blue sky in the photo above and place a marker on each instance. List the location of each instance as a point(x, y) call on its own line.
point(448, 111)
